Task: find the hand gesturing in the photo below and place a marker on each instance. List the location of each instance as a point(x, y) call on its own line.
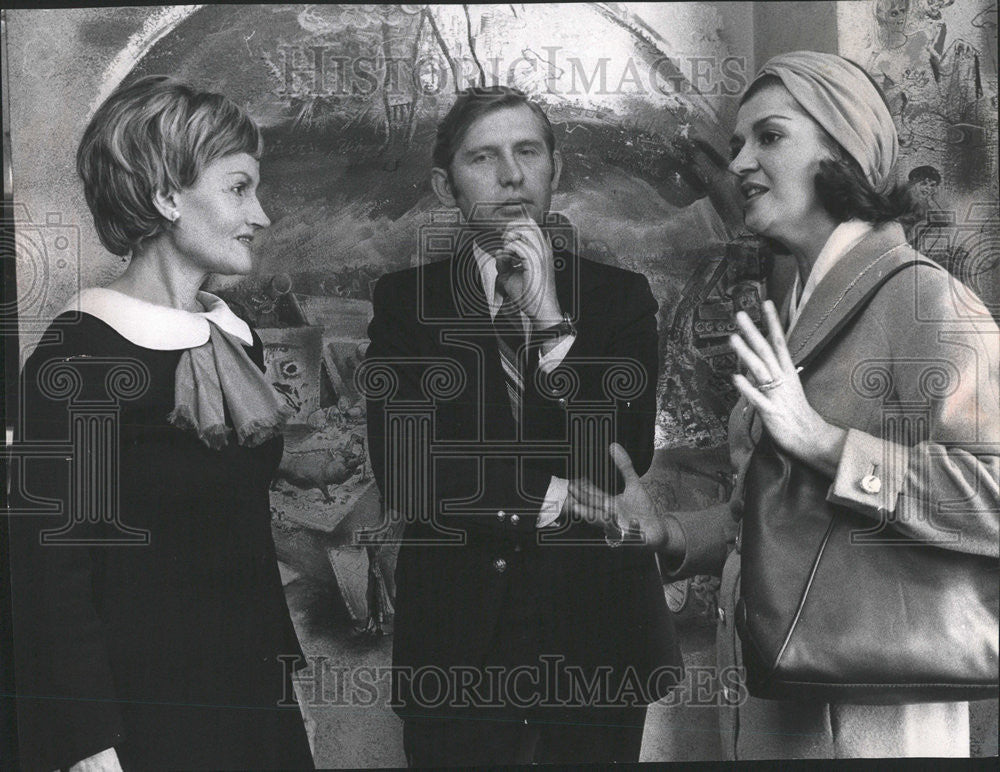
point(776, 393)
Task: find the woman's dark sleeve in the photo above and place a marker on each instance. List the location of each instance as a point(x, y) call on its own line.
point(65, 690)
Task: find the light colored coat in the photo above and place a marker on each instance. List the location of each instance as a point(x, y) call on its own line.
point(925, 342)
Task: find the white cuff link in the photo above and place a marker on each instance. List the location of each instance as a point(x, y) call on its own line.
point(870, 483)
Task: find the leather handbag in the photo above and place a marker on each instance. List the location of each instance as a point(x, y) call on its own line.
point(824, 615)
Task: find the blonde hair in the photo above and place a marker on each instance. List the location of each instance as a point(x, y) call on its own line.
point(154, 135)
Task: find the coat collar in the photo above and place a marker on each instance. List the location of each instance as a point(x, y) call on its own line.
point(843, 238)
point(159, 327)
point(847, 282)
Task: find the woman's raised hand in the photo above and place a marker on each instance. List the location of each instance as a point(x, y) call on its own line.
point(776, 393)
point(631, 510)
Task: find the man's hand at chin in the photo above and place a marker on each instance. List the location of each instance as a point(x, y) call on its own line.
point(526, 271)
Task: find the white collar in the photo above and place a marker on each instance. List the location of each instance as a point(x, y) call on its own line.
point(841, 241)
point(159, 327)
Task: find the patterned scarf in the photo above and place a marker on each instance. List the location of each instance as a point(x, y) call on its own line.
point(217, 375)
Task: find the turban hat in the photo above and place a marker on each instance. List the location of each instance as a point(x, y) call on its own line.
point(839, 96)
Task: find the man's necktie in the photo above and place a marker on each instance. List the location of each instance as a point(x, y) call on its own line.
point(513, 354)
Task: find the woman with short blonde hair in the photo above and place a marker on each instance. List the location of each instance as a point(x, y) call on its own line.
point(157, 637)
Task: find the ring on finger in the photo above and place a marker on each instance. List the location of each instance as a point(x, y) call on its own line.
point(771, 384)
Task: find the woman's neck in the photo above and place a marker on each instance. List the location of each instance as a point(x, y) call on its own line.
point(158, 274)
point(807, 248)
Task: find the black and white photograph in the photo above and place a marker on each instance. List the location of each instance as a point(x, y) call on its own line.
point(478, 385)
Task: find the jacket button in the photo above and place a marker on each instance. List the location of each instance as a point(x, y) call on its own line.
point(501, 515)
point(500, 565)
point(562, 402)
point(721, 614)
point(514, 519)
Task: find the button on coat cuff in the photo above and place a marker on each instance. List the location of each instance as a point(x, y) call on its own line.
point(870, 474)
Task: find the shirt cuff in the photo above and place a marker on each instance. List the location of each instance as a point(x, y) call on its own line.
point(555, 497)
point(870, 473)
point(549, 362)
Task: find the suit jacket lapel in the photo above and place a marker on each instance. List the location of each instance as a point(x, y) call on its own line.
point(465, 292)
point(580, 293)
point(846, 283)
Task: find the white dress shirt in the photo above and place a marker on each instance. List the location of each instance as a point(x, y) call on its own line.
point(558, 488)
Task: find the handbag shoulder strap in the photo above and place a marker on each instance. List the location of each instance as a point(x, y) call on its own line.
point(857, 308)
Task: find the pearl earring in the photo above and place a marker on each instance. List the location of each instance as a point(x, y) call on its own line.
point(174, 216)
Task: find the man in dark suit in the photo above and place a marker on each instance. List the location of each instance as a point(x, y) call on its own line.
point(493, 377)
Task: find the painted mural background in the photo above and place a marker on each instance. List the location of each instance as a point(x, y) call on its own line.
point(936, 60)
point(350, 97)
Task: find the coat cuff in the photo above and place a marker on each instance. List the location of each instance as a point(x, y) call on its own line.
point(870, 474)
point(555, 497)
point(707, 536)
point(549, 362)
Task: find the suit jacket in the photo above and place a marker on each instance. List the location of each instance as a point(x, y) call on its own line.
point(927, 346)
point(482, 559)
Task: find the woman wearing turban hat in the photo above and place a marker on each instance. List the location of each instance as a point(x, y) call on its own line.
point(814, 150)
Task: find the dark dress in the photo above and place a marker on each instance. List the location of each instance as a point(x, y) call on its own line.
point(178, 653)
